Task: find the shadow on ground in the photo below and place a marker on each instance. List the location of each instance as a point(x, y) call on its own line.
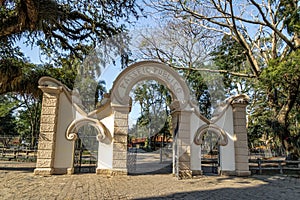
point(274, 187)
point(17, 166)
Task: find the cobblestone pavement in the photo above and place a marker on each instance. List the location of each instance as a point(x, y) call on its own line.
point(20, 183)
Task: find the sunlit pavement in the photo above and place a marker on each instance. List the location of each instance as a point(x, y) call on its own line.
point(20, 183)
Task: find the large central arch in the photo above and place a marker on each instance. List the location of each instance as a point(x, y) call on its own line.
point(149, 70)
point(180, 110)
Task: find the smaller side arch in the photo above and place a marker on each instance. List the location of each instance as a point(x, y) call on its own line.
point(223, 140)
point(103, 133)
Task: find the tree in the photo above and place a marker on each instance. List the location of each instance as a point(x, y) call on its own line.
point(64, 24)
point(267, 31)
point(153, 99)
point(186, 48)
point(177, 43)
point(7, 126)
point(63, 29)
point(66, 31)
point(28, 120)
point(229, 56)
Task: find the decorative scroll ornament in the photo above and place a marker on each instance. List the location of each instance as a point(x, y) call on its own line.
point(198, 139)
point(71, 133)
point(72, 136)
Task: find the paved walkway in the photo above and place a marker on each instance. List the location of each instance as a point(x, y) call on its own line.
point(20, 183)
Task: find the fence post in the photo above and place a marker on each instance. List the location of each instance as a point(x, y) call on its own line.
point(259, 165)
point(280, 168)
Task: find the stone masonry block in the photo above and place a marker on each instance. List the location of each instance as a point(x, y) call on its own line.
point(240, 115)
point(185, 119)
point(241, 137)
point(119, 115)
point(242, 166)
point(44, 163)
point(44, 144)
point(184, 149)
point(120, 130)
point(43, 171)
point(41, 154)
point(240, 129)
point(185, 158)
point(185, 174)
point(50, 102)
point(47, 137)
point(241, 144)
point(183, 128)
point(241, 159)
point(49, 110)
point(184, 165)
point(119, 172)
point(47, 127)
point(47, 119)
point(238, 106)
point(50, 96)
point(120, 155)
point(241, 151)
point(243, 173)
point(186, 141)
point(119, 164)
point(121, 147)
point(121, 123)
point(239, 122)
point(120, 138)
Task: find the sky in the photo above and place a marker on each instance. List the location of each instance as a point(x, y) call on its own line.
point(109, 74)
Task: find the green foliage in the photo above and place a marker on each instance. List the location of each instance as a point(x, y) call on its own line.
point(65, 27)
point(275, 90)
point(200, 91)
point(230, 56)
point(153, 100)
point(23, 125)
point(87, 83)
point(277, 94)
point(289, 11)
point(66, 31)
point(7, 125)
point(282, 73)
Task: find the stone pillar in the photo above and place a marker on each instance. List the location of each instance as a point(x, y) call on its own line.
point(241, 143)
point(120, 140)
point(48, 129)
point(183, 145)
point(175, 126)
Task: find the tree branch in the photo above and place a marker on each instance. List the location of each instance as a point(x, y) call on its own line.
point(215, 71)
point(32, 13)
point(281, 35)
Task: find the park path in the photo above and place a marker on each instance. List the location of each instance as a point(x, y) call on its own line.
point(20, 183)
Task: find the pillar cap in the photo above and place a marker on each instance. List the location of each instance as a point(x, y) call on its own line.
point(239, 99)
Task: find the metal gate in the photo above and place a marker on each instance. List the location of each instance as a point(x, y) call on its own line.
point(131, 160)
point(85, 153)
point(210, 156)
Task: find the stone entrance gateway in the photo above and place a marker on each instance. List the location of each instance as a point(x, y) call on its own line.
point(62, 117)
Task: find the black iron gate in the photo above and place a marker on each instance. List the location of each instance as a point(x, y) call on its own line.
point(131, 160)
point(210, 156)
point(85, 154)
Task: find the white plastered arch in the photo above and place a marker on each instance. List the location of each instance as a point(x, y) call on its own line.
point(149, 70)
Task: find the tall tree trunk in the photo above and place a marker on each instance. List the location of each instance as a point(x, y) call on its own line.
point(282, 119)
